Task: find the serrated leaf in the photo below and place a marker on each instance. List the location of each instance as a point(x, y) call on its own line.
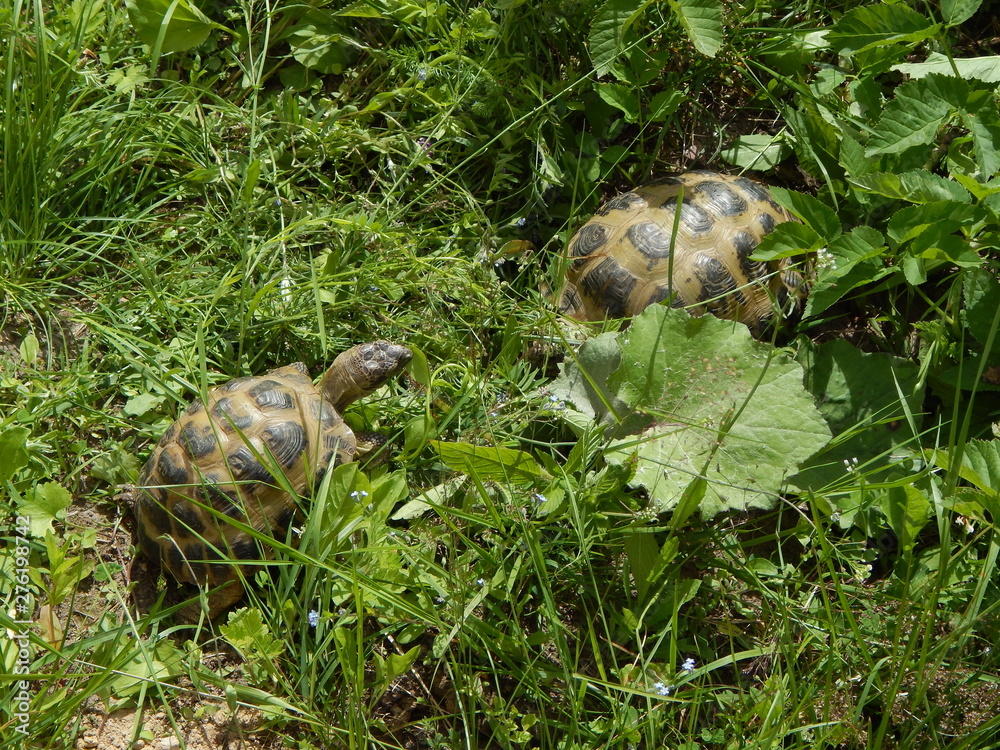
point(877, 25)
point(983, 122)
point(489, 463)
point(787, 240)
point(911, 221)
point(864, 399)
point(702, 20)
point(812, 211)
point(985, 69)
point(917, 186)
point(180, 22)
point(248, 632)
point(607, 32)
point(44, 503)
point(854, 259)
point(718, 405)
point(919, 109)
point(360, 10)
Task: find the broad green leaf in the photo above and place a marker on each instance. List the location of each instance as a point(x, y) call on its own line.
point(981, 68)
point(865, 399)
point(318, 43)
point(180, 22)
point(706, 400)
point(44, 503)
point(583, 384)
point(642, 553)
point(29, 348)
point(702, 20)
point(13, 451)
point(488, 463)
point(983, 122)
point(954, 12)
point(811, 210)
point(938, 244)
point(983, 458)
point(141, 404)
point(909, 222)
point(919, 109)
point(760, 152)
point(787, 240)
point(876, 25)
point(620, 97)
point(908, 510)
point(981, 291)
point(980, 467)
point(607, 33)
point(164, 663)
point(388, 668)
point(916, 187)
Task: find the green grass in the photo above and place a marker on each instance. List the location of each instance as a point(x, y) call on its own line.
point(307, 181)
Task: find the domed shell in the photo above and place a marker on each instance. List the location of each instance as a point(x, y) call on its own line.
point(639, 249)
point(237, 454)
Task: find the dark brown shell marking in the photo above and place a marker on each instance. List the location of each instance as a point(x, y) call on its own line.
point(226, 458)
point(628, 255)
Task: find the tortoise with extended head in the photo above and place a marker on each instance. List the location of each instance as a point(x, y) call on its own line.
point(639, 249)
point(237, 455)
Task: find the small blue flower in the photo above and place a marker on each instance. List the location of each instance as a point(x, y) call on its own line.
point(539, 498)
point(313, 618)
point(688, 665)
point(358, 495)
point(480, 581)
point(660, 689)
point(422, 74)
point(521, 222)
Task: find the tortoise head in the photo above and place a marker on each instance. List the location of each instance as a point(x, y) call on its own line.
point(361, 370)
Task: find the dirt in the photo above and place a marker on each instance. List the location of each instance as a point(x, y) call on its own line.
point(208, 728)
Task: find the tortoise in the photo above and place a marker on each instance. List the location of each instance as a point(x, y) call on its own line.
point(236, 456)
point(636, 251)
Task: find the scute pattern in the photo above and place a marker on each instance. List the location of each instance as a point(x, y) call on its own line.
point(224, 455)
point(620, 261)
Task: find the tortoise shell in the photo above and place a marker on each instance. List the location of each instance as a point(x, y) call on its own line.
point(638, 250)
point(243, 456)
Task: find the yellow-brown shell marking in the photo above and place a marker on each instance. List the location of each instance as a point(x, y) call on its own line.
point(237, 456)
point(638, 250)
